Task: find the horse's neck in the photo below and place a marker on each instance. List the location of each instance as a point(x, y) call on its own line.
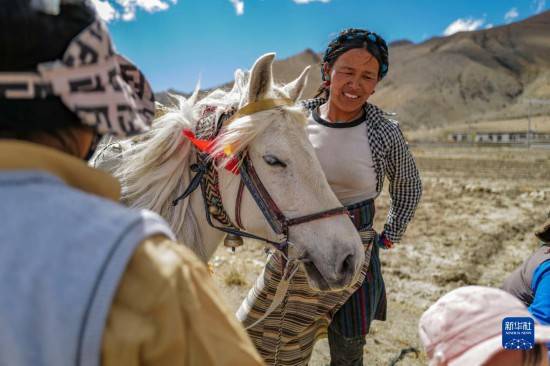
point(206, 241)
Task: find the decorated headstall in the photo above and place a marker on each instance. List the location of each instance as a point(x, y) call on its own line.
point(211, 122)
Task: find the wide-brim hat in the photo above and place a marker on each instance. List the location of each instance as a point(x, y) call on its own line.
point(464, 327)
point(483, 352)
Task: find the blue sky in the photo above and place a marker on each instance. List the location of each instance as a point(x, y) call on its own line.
point(177, 41)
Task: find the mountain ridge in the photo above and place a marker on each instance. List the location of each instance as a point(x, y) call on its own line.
point(462, 78)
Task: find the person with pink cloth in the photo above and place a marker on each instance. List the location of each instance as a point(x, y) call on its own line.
point(464, 328)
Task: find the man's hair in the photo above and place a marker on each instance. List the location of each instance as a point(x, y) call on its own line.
point(29, 37)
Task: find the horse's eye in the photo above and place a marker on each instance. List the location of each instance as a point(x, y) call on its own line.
point(273, 161)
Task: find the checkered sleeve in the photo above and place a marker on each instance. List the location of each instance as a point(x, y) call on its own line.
point(405, 186)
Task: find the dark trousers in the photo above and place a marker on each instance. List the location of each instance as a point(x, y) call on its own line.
point(345, 338)
point(350, 324)
point(345, 351)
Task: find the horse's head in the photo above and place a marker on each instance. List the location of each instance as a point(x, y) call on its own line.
point(285, 161)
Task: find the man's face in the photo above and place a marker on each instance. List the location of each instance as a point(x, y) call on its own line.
point(353, 78)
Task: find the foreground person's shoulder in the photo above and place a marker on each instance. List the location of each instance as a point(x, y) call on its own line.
point(168, 311)
point(165, 257)
point(152, 270)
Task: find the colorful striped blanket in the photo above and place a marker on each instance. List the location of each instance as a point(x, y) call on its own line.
point(287, 335)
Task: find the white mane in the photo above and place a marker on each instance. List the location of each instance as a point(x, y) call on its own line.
point(155, 168)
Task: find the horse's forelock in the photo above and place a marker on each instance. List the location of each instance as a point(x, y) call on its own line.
point(241, 133)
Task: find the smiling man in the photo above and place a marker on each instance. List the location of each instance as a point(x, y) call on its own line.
point(358, 147)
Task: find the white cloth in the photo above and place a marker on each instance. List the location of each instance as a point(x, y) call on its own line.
point(346, 158)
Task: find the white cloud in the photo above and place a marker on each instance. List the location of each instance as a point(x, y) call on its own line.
point(538, 5)
point(126, 9)
point(463, 25)
point(239, 6)
point(310, 1)
point(511, 15)
point(489, 26)
point(105, 10)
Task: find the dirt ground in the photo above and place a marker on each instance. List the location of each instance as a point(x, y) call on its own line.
point(474, 226)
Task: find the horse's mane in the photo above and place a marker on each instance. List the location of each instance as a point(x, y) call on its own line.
point(155, 169)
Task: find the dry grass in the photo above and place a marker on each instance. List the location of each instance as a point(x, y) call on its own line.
point(235, 278)
point(474, 226)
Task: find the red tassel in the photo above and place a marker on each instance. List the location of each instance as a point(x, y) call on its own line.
point(204, 146)
point(207, 146)
point(233, 165)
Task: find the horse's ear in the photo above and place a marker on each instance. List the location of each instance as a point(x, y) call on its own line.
point(261, 78)
point(295, 88)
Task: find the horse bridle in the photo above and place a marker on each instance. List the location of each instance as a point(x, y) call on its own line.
point(277, 220)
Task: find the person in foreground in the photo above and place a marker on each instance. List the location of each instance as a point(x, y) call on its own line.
point(358, 147)
point(530, 282)
point(464, 328)
point(84, 280)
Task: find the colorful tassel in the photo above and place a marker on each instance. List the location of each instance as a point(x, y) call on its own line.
point(207, 146)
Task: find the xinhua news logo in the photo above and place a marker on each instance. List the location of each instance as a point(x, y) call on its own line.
point(518, 333)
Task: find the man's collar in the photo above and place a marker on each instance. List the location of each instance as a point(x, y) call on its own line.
point(19, 155)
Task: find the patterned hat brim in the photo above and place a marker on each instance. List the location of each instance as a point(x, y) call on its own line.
point(104, 89)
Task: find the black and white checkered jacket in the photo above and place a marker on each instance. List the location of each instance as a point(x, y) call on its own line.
point(392, 158)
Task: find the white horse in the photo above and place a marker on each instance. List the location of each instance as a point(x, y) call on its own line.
point(155, 169)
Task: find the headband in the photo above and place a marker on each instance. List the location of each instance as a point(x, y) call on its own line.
point(105, 90)
point(357, 38)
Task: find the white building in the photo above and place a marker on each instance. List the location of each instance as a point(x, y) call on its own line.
point(500, 137)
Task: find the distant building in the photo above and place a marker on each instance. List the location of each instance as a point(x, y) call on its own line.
point(459, 137)
point(499, 137)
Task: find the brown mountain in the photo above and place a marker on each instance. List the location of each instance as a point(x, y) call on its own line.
point(284, 71)
point(469, 76)
point(466, 77)
point(289, 69)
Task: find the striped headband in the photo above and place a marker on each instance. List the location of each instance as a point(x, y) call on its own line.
point(105, 90)
point(358, 38)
